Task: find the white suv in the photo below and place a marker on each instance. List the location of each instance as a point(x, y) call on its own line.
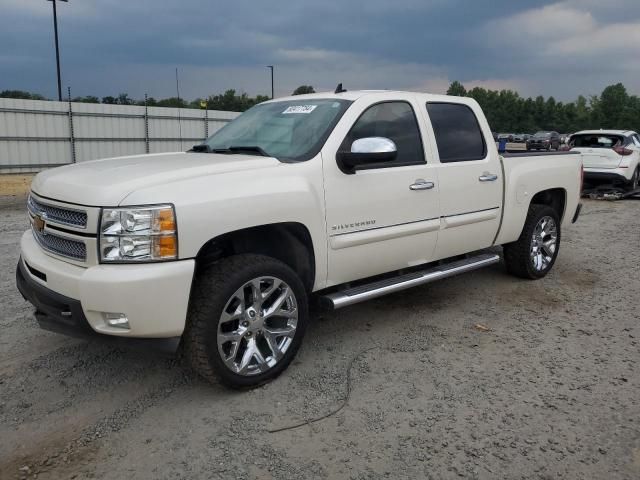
point(610, 156)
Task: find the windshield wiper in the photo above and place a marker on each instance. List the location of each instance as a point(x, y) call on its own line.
point(241, 149)
point(203, 147)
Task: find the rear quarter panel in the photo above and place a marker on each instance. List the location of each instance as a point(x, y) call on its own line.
point(527, 175)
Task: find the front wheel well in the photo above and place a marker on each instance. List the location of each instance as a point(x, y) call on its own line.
point(289, 242)
point(555, 198)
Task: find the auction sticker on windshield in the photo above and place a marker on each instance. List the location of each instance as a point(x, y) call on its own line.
point(300, 109)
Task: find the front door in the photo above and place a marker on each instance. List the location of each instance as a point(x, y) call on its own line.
point(383, 217)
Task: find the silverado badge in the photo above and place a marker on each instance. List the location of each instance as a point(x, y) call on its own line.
point(348, 226)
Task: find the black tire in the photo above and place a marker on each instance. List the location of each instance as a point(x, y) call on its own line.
point(213, 287)
point(635, 180)
point(517, 255)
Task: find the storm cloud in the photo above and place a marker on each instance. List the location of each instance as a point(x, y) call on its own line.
point(111, 46)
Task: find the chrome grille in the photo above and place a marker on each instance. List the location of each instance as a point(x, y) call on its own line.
point(64, 216)
point(64, 247)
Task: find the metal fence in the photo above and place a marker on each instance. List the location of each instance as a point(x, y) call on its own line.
point(36, 134)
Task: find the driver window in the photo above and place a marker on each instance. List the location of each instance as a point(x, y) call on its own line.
point(395, 121)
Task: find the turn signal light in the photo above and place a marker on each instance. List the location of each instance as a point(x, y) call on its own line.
point(165, 246)
point(165, 221)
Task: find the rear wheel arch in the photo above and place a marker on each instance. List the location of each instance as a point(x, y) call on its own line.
point(289, 242)
point(555, 198)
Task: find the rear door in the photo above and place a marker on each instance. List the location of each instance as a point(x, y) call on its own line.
point(470, 177)
point(598, 149)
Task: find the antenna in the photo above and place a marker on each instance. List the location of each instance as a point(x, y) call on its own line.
point(339, 89)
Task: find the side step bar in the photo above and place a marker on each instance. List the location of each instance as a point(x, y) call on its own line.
point(379, 288)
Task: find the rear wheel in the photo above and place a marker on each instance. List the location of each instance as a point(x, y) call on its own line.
point(247, 317)
point(532, 256)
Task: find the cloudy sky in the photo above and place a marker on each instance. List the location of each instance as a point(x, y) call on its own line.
point(560, 48)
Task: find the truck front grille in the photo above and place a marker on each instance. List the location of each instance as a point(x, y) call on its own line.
point(64, 216)
point(64, 247)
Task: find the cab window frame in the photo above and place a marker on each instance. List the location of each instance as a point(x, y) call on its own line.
point(395, 163)
point(485, 151)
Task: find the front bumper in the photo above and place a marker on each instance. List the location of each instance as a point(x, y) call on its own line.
point(60, 314)
point(154, 297)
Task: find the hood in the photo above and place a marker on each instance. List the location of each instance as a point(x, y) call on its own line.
point(108, 181)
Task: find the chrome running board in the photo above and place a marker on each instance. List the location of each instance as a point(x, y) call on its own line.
point(379, 288)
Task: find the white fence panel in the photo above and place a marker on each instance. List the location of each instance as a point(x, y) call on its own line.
point(37, 134)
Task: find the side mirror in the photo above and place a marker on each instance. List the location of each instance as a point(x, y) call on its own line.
point(364, 151)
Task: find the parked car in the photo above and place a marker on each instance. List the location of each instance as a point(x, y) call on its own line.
point(564, 138)
point(519, 138)
point(219, 248)
point(610, 156)
point(506, 136)
point(544, 141)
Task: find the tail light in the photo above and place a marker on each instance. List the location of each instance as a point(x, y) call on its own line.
point(622, 151)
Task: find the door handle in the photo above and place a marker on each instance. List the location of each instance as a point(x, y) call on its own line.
point(488, 177)
point(422, 185)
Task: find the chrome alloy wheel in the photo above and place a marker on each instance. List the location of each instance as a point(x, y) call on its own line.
point(544, 243)
point(257, 326)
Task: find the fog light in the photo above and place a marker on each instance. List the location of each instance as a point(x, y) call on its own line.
point(117, 320)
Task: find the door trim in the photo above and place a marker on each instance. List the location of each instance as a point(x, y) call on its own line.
point(378, 234)
point(468, 218)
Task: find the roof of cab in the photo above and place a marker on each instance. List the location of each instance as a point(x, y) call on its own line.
point(353, 95)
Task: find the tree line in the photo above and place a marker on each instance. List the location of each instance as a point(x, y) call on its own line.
point(230, 100)
point(507, 111)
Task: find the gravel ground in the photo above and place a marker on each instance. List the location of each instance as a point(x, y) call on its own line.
point(550, 390)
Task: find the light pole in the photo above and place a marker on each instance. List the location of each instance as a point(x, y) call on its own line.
point(55, 31)
point(271, 67)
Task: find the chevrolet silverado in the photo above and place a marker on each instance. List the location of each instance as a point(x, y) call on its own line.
point(345, 196)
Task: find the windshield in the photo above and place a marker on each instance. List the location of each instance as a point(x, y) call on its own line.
point(542, 134)
point(596, 140)
point(292, 130)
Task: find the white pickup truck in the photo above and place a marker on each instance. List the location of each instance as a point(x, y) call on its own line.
point(345, 195)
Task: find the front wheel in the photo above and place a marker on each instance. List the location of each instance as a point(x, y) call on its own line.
point(247, 316)
point(535, 252)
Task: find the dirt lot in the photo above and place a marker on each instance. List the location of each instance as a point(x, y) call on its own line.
point(551, 390)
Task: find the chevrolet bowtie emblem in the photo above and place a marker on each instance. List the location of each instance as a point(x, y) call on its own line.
point(38, 223)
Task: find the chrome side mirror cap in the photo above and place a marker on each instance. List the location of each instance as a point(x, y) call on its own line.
point(374, 145)
point(367, 151)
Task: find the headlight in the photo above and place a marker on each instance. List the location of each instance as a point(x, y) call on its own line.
point(135, 234)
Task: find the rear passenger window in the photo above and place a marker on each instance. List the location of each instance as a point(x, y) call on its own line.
point(395, 121)
point(457, 131)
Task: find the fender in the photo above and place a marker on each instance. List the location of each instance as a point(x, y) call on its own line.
point(211, 206)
